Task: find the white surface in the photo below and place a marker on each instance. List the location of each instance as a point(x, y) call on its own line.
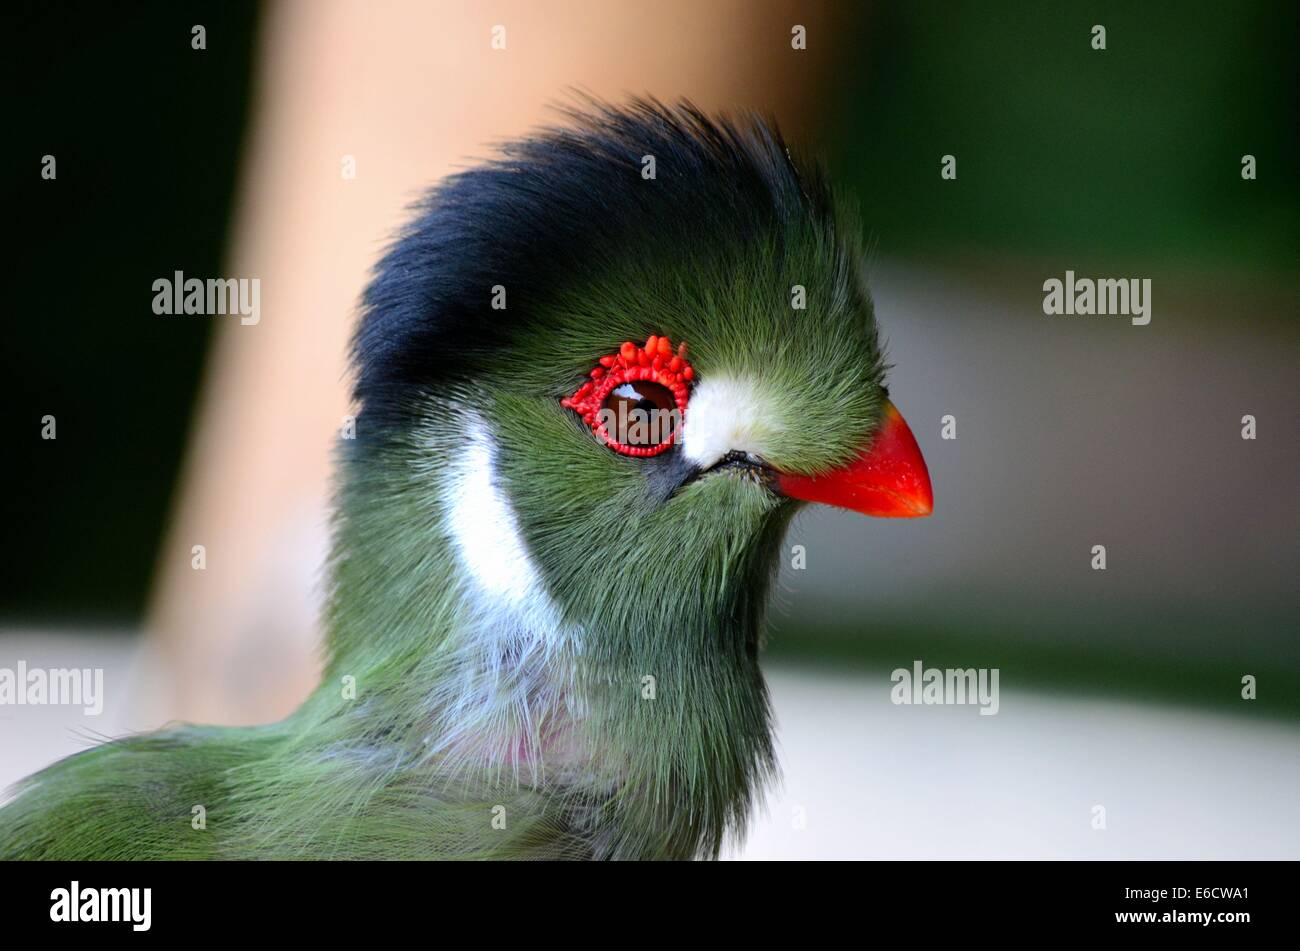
point(882, 781)
point(876, 780)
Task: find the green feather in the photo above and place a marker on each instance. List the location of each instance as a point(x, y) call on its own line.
point(473, 732)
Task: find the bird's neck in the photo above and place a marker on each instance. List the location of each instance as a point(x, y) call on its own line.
point(457, 649)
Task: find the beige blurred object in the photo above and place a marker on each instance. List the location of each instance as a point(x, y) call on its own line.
point(408, 91)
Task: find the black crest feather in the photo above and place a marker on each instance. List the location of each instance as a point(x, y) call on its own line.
point(537, 215)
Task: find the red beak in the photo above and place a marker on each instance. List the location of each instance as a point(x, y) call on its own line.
point(888, 480)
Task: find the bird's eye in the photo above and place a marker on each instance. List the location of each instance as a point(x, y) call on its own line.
point(640, 414)
point(636, 398)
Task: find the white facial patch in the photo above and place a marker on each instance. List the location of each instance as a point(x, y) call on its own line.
point(725, 414)
point(510, 632)
point(485, 528)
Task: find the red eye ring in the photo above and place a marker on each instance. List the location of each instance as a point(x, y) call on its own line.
point(655, 362)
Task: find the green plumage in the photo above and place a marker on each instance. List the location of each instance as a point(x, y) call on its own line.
point(523, 725)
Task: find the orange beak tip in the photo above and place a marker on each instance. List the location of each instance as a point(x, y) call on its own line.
point(887, 480)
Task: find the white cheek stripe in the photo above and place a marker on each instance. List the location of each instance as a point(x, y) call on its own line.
point(485, 529)
point(726, 413)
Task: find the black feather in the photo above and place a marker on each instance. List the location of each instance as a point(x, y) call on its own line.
point(534, 218)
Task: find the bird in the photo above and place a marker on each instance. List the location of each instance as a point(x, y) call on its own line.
point(596, 376)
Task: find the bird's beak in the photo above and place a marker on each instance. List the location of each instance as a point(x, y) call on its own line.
point(889, 479)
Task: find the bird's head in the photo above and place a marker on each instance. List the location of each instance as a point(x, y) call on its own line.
point(606, 368)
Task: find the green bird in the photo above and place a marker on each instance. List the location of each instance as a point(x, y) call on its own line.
point(596, 378)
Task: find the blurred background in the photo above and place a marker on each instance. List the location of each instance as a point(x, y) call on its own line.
point(1120, 687)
